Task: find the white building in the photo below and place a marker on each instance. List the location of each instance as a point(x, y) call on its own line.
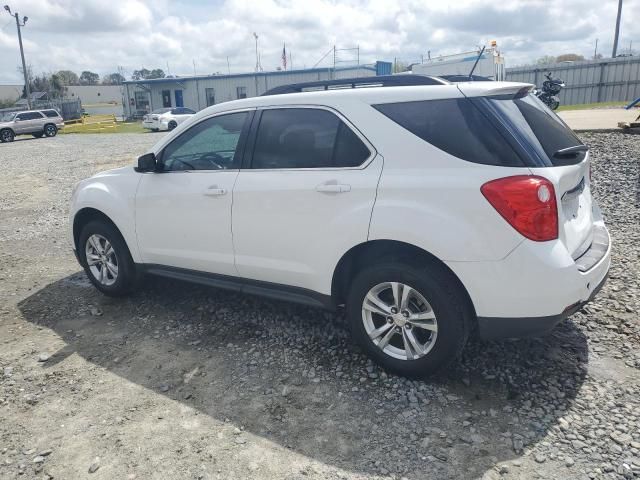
point(198, 92)
point(92, 94)
point(10, 92)
point(491, 64)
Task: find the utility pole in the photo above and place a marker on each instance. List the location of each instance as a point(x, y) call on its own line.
point(615, 38)
point(258, 66)
point(595, 52)
point(24, 64)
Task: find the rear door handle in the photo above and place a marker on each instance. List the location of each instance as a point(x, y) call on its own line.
point(214, 191)
point(333, 188)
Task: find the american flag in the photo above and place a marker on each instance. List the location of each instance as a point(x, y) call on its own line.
point(284, 56)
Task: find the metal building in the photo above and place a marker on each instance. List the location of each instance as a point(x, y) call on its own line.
point(198, 92)
point(490, 64)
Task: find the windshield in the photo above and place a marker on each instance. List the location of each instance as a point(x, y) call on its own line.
point(161, 110)
point(7, 116)
point(539, 127)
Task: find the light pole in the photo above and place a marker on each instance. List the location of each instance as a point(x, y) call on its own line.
point(615, 38)
point(258, 66)
point(24, 64)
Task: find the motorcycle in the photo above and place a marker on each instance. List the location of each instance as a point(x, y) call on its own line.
point(550, 89)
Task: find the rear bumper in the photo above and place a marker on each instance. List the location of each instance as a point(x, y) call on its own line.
point(494, 328)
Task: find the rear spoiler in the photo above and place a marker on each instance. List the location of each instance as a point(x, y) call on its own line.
point(505, 90)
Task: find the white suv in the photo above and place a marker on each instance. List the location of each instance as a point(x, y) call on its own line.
point(427, 211)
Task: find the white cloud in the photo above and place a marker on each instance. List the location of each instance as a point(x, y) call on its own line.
point(100, 36)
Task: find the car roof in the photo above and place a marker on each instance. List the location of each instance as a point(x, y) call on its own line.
point(370, 95)
point(39, 110)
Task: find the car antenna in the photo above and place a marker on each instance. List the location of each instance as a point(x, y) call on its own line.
point(476, 63)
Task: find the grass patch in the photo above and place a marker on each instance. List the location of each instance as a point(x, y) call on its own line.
point(121, 127)
point(130, 127)
point(588, 106)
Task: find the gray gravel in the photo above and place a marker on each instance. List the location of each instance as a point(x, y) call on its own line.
point(181, 381)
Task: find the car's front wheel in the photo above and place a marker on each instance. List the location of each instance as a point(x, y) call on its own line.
point(50, 130)
point(6, 135)
point(411, 320)
point(106, 259)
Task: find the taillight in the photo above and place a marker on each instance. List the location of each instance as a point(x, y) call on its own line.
point(527, 202)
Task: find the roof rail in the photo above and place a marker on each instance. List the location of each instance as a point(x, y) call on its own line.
point(360, 82)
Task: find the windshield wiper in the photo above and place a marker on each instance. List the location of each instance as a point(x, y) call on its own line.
point(571, 152)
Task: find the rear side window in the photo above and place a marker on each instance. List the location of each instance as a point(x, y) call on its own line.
point(542, 129)
point(306, 138)
point(455, 126)
point(51, 113)
point(29, 116)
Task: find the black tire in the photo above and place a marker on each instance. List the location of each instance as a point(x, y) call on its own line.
point(50, 130)
point(440, 289)
point(38, 134)
point(172, 124)
point(127, 276)
point(7, 135)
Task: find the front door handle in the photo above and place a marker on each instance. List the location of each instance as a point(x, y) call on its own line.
point(333, 188)
point(214, 191)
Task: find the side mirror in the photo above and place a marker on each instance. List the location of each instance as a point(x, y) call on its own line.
point(146, 163)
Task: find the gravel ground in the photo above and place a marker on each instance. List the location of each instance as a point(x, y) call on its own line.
point(181, 381)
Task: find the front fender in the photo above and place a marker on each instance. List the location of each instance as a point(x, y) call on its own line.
point(113, 194)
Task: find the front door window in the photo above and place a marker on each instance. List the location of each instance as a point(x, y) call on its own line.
point(209, 145)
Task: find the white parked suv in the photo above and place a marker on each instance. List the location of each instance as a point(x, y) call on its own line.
point(166, 118)
point(426, 211)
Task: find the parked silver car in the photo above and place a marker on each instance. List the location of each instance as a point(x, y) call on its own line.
point(30, 122)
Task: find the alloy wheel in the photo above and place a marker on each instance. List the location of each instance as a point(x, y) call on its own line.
point(101, 259)
point(6, 136)
point(399, 321)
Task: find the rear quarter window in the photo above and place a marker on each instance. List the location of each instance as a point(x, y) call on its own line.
point(51, 113)
point(455, 126)
point(543, 130)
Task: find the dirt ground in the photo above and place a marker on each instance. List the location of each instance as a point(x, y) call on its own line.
point(185, 382)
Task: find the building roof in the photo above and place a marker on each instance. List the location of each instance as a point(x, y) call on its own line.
point(240, 75)
point(34, 96)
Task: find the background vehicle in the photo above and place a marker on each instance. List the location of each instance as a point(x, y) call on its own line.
point(371, 198)
point(30, 122)
point(550, 89)
point(166, 118)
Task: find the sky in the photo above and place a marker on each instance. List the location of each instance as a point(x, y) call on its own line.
point(183, 36)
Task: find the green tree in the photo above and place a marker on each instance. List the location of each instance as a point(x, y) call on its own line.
point(141, 74)
point(113, 79)
point(156, 73)
point(546, 60)
point(145, 74)
point(89, 78)
point(67, 77)
point(569, 57)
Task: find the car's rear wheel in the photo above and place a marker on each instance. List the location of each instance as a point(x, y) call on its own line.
point(38, 134)
point(172, 124)
point(106, 259)
point(6, 135)
point(410, 320)
point(50, 130)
